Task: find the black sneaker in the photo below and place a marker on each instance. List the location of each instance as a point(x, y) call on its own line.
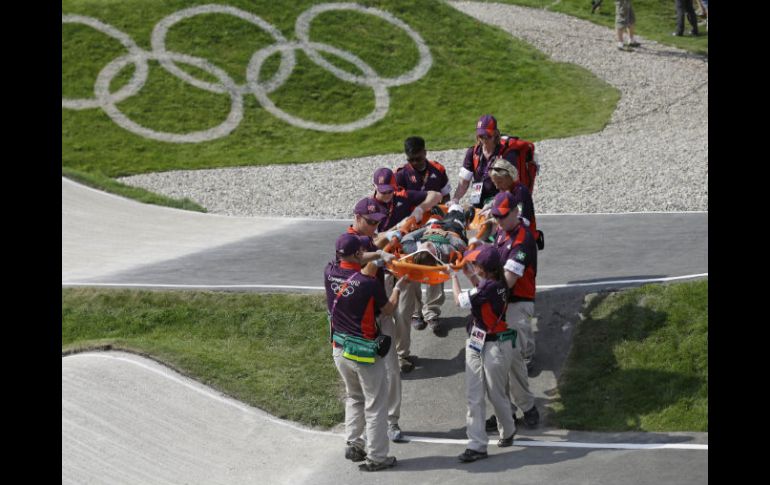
point(433, 324)
point(469, 455)
point(505, 442)
point(491, 423)
point(395, 434)
point(373, 466)
point(354, 453)
point(418, 323)
point(532, 417)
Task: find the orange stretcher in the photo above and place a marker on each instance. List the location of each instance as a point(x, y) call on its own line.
point(428, 274)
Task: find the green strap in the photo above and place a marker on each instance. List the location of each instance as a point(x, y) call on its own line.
point(509, 334)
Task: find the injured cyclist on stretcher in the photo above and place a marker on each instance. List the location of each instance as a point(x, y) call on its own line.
point(438, 239)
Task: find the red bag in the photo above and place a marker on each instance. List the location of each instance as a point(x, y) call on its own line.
point(526, 164)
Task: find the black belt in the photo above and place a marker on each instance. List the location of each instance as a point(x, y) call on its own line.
point(517, 299)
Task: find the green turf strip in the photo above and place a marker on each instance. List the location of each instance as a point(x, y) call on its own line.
point(639, 362)
point(270, 351)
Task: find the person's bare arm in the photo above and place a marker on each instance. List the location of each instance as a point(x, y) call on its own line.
point(390, 306)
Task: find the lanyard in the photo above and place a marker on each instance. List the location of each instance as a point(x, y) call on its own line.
point(334, 305)
point(390, 210)
point(490, 160)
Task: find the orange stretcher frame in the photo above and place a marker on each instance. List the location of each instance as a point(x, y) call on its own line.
point(430, 275)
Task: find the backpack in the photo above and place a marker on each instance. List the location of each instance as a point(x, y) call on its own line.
point(526, 164)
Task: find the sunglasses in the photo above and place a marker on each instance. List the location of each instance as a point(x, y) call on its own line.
point(484, 137)
point(501, 217)
point(371, 222)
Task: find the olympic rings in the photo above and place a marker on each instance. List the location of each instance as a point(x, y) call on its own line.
point(107, 101)
point(349, 290)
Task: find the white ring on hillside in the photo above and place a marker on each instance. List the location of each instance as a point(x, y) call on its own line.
point(159, 46)
point(102, 86)
point(140, 73)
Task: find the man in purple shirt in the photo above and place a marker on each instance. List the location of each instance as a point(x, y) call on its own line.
point(398, 204)
point(419, 173)
point(352, 299)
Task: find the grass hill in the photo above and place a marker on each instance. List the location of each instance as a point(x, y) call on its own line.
point(474, 69)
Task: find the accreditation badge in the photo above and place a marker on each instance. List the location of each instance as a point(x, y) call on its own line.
point(476, 192)
point(476, 341)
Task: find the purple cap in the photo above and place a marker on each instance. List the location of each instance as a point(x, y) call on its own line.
point(485, 256)
point(487, 125)
point(384, 180)
point(369, 208)
point(347, 244)
point(504, 203)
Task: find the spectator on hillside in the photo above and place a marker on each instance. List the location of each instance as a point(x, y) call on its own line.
point(625, 20)
point(684, 7)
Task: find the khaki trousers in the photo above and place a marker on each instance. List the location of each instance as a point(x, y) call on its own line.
point(434, 298)
point(403, 315)
point(392, 370)
point(518, 316)
point(365, 404)
point(486, 373)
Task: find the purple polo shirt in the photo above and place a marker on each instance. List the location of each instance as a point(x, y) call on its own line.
point(359, 297)
point(518, 252)
point(527, 206)
point(481, 171)
point(433, 178)
point(400, 206)
point(487, 307)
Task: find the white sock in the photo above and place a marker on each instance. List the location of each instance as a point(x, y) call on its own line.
point(620, 44)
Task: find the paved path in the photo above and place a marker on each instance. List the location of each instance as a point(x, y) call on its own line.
point(122, 242)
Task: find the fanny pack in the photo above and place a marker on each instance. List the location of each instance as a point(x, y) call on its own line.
point(362, 350)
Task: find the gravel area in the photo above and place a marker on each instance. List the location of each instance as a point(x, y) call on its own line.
point(652, 156)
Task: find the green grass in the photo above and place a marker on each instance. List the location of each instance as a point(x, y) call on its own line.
point(655, 19)
point(102, 182)
point(270, 351)
point(476, 69)
point(639, 362)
